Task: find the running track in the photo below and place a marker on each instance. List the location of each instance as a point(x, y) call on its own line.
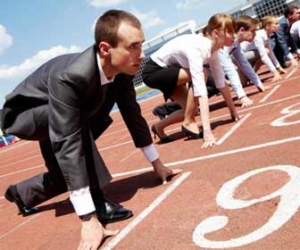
point(242, 194)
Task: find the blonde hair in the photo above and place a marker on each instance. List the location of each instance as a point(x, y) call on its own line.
point(267, 20)
point(219, 22)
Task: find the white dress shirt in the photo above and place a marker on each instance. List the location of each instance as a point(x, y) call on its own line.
point(191, 51)
point(226, 54)
point(260, 43)
point(81, 199)
point(295, 31)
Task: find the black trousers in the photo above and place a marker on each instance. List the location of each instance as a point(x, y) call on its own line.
point(32, 124)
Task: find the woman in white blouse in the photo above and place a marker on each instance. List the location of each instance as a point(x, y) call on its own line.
point(180, 61)
point(260, 51)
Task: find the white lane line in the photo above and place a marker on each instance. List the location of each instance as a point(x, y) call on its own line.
point(13, 147)
point(14, 162)
point(291, 73)
point(204, 157)
point(271, 92)
point(147, 169)
point(18, 226)
point(131, 154)
point(233, 129)
point(21, 171)
point(120, 236)
point(200, 158)
point(212, 119)
point(114, 146)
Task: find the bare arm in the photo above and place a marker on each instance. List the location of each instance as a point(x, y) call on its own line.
point(228, 100)
point(209, 139)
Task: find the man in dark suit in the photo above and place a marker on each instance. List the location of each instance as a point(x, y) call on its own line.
point(282, 39)
point(65, 105)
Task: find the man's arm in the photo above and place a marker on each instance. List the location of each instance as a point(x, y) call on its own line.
point(246, 68)
point(282, 42)
point(230, 70)
point(137, 125)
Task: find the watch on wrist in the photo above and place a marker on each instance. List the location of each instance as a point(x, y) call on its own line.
point(86, 217)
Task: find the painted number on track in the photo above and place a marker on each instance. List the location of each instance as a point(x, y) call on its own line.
point(288, 113)
point(288, 205)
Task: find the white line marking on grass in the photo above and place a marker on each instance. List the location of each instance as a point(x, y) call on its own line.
point(18, 226)
point(120, 236)
point(270, 93)
point(233, 129)
point(291, 73)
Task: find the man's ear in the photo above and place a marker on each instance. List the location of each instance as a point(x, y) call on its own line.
point(242, 29)
point(104, 48)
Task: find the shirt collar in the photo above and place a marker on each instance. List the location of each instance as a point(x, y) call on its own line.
point(103, 77)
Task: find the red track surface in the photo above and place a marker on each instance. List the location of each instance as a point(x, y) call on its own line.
point(252, 178)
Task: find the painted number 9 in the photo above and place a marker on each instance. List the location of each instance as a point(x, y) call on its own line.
point(288, 205)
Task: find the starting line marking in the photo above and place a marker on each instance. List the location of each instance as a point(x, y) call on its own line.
point(120, 236)
point(204, 157)
point(270, 93)
point(291, 73)
point(200, 158)
point(233, 128)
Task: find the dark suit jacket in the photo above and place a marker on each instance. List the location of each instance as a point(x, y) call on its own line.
point(65, 98)
point(284, 38)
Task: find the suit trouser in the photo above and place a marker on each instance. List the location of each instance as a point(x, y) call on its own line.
point(33, 125)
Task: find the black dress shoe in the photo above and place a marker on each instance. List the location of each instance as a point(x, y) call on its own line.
point(163, 140)
point(12, 195)
point(190, 134)
point(286, 65)
point(109, 212)
point(160, 116)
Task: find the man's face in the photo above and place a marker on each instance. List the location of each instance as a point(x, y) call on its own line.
point(247, 35)
point(127, 56)
point(294, 16)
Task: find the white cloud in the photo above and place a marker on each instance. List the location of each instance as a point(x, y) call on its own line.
point(148, 19)
point(105, 3)
point(5, 39)
point(30, 64)
point(191, 4)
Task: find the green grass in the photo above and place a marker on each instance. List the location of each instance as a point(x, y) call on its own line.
point(142, 90)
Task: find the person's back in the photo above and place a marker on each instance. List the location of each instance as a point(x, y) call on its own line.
point(175, 52)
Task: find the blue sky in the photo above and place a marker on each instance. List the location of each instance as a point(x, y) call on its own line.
point(34, 31)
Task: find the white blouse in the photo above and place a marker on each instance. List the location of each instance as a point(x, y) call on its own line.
point(260, 43)
point(191, 51)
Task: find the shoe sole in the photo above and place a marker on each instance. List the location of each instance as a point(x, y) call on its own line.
point(107, 221)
